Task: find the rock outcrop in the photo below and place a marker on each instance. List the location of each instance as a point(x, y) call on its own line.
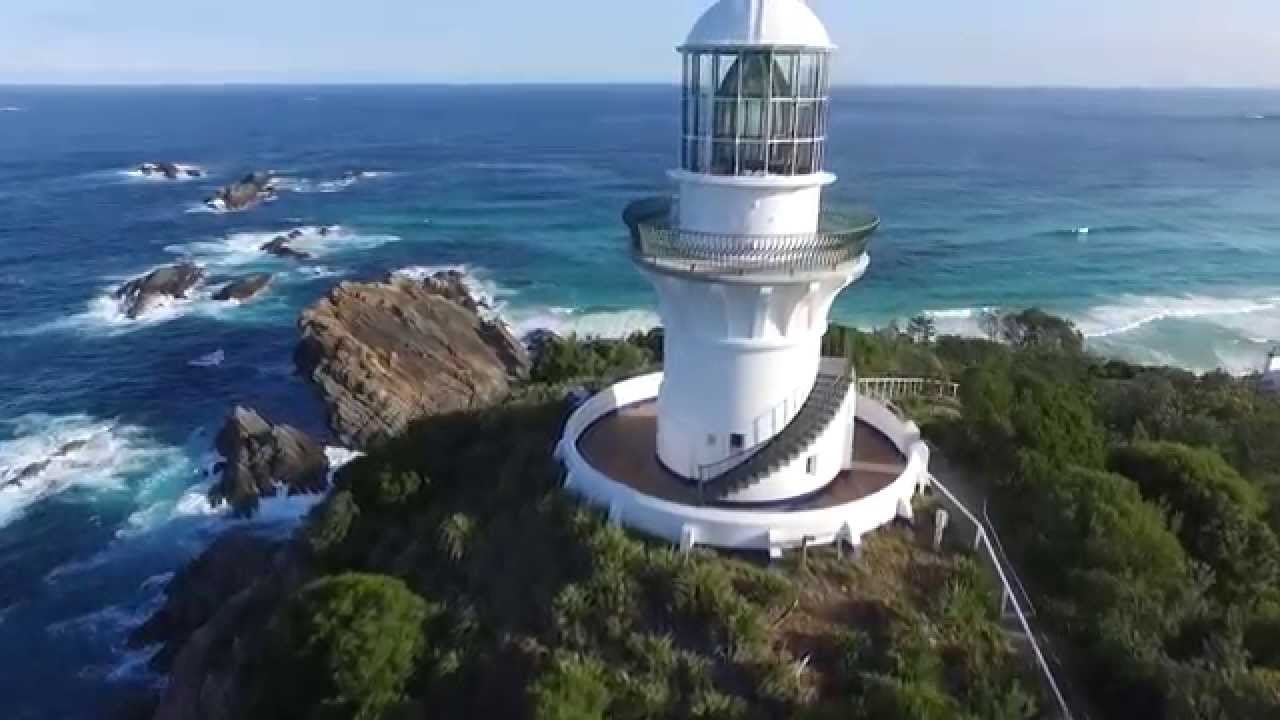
point(212, 625)
point(263, 460)
point(244, 288)
point(385, 354)
point(279, 246)
point(158, 287)
point(250, 190)
point(169, 170)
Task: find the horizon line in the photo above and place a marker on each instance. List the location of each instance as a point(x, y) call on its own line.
point(600, 83)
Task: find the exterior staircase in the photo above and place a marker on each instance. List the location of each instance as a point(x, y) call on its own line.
point(815, 415)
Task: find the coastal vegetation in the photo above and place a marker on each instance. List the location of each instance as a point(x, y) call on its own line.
point(447, 574)
point(540, 608)
point(1139, 503)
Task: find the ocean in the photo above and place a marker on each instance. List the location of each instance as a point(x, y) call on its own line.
point(985, 197)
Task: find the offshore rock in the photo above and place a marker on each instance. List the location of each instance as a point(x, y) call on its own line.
point(250, 190)
point(279, 246)
point(262, 460)
point(385, 354)
point(169, 170)
point(244, 288)
point(157, 287)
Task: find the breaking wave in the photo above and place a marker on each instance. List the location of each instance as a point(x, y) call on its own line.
point(186, 173)
point(1132, 312)
point(523, 319)
point(308, 185)
point(1197, 332)
point(281, 512)
point(584, 323)
point(479, 283)
point(245, 248)
point(46, 456)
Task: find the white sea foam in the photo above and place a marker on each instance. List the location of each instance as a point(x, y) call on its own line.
point(245, 248)
point(568, 321)
point(1131, 312)
point(965, 322)
point(12, 108)
point(319, 272)
point(184, 170)
point(105, 314)
point(213, 359)
point(480, 285)
point(1229, 332)
point(280, 513)
point(308, 185)
point(60, 453)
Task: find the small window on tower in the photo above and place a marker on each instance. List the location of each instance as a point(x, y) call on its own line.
point(736, 441)
point(811, 465)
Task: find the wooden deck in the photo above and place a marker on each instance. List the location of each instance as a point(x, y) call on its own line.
point(623, 446)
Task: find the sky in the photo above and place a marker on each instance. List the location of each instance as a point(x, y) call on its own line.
point(1096, 43)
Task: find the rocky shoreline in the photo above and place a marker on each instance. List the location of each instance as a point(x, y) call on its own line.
point(380, 354)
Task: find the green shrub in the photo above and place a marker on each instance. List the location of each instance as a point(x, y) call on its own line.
point(350, 643)
point(1220, 513)
point(558, 360)
point(573, 688)
point(328, 524)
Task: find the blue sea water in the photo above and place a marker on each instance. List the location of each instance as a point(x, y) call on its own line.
point(984, 196)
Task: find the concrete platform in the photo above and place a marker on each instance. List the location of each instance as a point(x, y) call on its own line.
point(608, 452)
point(623, 446)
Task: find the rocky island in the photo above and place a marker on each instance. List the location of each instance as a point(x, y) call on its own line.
point(158, 287)
point(251, 190)
point(279, 246)
point(244, 288)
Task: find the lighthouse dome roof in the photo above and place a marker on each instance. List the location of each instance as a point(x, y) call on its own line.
point(776, 23)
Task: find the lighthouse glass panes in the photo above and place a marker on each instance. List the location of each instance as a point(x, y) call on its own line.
point(754, 111)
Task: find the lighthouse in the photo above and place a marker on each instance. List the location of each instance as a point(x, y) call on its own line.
point(749, 437)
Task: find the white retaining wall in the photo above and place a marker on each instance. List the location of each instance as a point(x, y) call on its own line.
point(729, 528)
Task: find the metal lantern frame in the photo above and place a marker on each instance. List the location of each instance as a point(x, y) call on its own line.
point(755, 111)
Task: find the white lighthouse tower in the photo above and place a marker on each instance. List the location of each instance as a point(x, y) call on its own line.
point(751, 438)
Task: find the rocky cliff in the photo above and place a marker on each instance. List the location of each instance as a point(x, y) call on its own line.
point(210, 628)
point(384, 354)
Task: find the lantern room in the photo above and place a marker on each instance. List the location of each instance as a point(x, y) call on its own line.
point(756, 90)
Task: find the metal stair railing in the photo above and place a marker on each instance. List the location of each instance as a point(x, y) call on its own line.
point(821, 407)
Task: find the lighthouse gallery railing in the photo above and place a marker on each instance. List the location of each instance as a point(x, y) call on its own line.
point(656, 242)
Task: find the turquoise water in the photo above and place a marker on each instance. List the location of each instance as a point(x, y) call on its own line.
point(984, 196)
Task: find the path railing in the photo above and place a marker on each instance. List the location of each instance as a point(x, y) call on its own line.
point(1010, 603)
point(887, 390)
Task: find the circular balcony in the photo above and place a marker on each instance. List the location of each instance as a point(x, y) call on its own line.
point(655, 242)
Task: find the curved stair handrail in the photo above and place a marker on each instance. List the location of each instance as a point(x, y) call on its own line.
point(716, 481)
